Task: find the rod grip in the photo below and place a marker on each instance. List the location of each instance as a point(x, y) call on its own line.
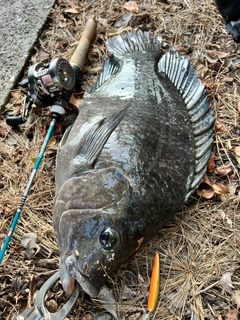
point(80, 54)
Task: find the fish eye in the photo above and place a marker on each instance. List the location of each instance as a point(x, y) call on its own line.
point(109, 238)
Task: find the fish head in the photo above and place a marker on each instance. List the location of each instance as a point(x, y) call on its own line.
point(94, 245)
point(92, 229)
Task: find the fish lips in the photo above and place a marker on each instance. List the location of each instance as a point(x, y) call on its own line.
point(69, 273)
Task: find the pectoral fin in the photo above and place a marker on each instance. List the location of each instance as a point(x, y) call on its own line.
point(94, 140)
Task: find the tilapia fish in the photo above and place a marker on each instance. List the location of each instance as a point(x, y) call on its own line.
point(136, 152)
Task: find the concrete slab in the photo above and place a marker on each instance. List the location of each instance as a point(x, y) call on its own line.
point(20, 24)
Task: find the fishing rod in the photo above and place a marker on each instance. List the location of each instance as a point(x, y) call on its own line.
point(50, 84)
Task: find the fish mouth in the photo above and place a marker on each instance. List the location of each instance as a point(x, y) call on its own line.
point(69, 273)
point(86, 284)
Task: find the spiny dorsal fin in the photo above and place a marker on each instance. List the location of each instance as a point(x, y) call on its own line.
point(94, 140)
point(133, 41)
point(111, 66)
point(181, 73)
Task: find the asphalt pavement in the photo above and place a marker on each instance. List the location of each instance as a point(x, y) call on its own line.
point(21, 22)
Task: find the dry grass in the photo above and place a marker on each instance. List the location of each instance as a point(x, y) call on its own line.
point(198, 246)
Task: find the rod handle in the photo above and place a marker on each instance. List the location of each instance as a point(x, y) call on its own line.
point(80, 54)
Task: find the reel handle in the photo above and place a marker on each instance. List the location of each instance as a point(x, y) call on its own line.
point(14, 121)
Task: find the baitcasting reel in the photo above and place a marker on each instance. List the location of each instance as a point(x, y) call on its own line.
point(49, 84)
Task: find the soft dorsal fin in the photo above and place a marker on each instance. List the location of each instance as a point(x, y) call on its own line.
point(110, 67)
point(181, 73)
point(94, 140)
point(133, 41)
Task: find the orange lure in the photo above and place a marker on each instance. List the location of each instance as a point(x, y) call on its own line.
point(154, 284)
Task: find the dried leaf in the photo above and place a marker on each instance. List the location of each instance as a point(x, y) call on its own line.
point(232, 314)
point(115, 31)
point(215, 66)
point(236, 150)
point(211, 164)
point(75, 100)
point(201, 71)
point(234, 176)
point(131, 6)
point(228, 79)
point(229, 145)
point(214, 56)
point(47, 263)
point(87, 316)
point(226, 281)
point(3, 132)
point(238, 107)
point(210, 58)
point(73, 5)
point(236, 298)
point(123, 21)
point(103, 22)
point(210, 87)
point(222, 214)
point(29, 244)
point(16, 94)
point(220, 189)
point(218, 54)
point(219, 127)
point(205, 190)
point(224, 170)
point(43, 130)
point(3, 223)
point(182, 50)
point(172, 9)
point(51, 143)
point(206, 179)
point(43, 55)
point(229, 223)
point(232, 60)
point(226, 220)
point(71, 10)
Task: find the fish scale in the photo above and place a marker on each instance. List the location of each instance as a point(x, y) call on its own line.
point(136, 152)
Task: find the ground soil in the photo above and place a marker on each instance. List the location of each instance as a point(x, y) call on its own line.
point(201, 244)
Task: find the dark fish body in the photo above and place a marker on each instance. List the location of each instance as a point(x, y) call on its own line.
point(230, 11)
point(136, 152)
